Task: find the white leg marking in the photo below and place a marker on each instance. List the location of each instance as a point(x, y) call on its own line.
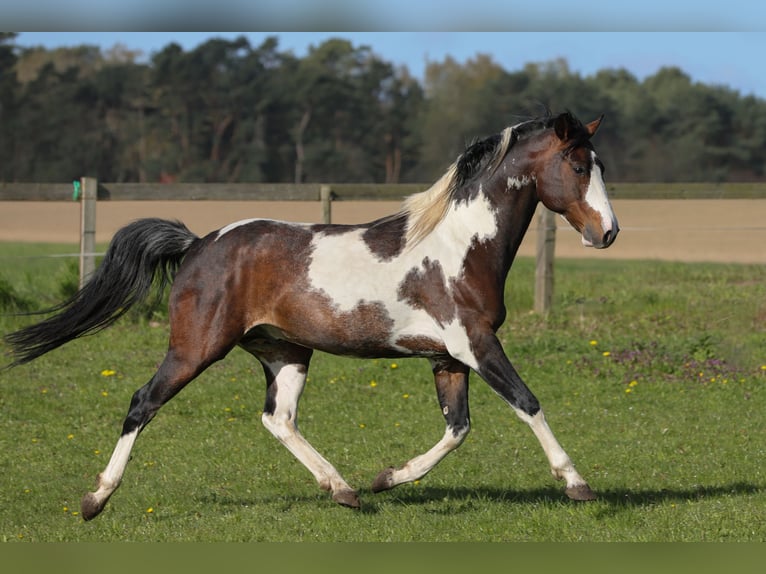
point(290, 380)
point(420, 465)
point(561, 465)
point(110, 478)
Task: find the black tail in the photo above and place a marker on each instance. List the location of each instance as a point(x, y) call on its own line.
point(136, 254)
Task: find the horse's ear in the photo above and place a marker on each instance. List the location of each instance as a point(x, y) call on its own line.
point(593, 126)
point(562, 126)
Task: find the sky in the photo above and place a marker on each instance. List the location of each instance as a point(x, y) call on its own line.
point(731, 59)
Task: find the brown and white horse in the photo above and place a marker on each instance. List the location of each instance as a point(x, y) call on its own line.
point(425, 282)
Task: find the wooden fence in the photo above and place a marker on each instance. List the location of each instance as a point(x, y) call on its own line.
point(89, 190)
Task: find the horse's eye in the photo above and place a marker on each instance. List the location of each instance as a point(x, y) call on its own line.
point(579, 170)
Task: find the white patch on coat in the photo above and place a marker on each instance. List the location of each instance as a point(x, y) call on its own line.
point(518, 182)
point(345, 269)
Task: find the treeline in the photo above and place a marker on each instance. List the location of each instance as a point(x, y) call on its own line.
point(228, 111)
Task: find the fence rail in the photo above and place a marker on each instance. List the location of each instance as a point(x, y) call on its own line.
point(89, 190)
point(340, 191)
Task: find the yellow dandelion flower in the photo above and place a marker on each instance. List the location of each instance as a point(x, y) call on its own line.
point(97, 452)
point(394, 366)
point(104, 393)
point(70, 436)
point(373, 384)
point(362, 425)
point(593, 343)
point(108, 373)
point(632, 383)
point(149, 510)
point(606, 353)
point(628, 390)
point(406, 396)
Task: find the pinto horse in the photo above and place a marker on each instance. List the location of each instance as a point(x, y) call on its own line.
point(427, 281)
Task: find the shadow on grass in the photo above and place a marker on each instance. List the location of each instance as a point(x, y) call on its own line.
point(615, 498)
point(609, 501)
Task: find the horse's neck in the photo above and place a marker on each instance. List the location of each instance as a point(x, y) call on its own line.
point(516, 213)
point(495, 216)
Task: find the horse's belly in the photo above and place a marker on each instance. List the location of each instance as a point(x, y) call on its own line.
point(355, 342)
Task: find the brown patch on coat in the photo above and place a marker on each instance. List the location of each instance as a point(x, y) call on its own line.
point(386, 238)
point(310, 319)
point(426, 288)
point(421, 345)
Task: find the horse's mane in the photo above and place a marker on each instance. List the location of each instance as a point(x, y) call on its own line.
point(426, 209)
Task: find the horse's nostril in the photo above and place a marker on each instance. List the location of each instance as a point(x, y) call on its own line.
point(610, 235)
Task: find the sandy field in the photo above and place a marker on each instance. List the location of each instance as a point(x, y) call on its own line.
point(672, 230)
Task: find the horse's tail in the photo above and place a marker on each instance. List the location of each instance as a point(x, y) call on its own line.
point(138, 253)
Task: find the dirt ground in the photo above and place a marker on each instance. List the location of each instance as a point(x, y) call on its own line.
point(676, 230)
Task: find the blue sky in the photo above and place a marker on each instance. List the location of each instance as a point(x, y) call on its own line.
point(732, 59)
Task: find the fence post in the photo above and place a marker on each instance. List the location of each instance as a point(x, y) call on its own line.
point(325, 196)
point(546, 248)
point(89, 188)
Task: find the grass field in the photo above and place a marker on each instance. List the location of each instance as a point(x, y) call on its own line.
point(652, 376)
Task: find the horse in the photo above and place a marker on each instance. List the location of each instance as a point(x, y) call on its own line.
point(427, 281)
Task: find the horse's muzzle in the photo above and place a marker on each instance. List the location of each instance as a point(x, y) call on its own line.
point(601, 239)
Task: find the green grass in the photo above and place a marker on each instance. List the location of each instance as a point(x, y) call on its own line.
point(652, 376)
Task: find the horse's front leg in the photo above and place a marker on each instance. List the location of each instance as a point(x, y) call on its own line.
point(495, 368)
point(451, 379)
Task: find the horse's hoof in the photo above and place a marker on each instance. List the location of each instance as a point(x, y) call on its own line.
point(384, 481)
point(90, 507)
point(580, 492)
point(347, 498)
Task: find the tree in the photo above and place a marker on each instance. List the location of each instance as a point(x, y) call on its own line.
point(456, 110)
point(227, 111)
point(8, 106)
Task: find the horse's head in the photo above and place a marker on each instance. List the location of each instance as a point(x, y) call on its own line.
point(570, 180)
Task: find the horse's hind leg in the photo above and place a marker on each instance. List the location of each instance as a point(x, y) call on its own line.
point(170, 378)
point(285, 366)
point(451, 378)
